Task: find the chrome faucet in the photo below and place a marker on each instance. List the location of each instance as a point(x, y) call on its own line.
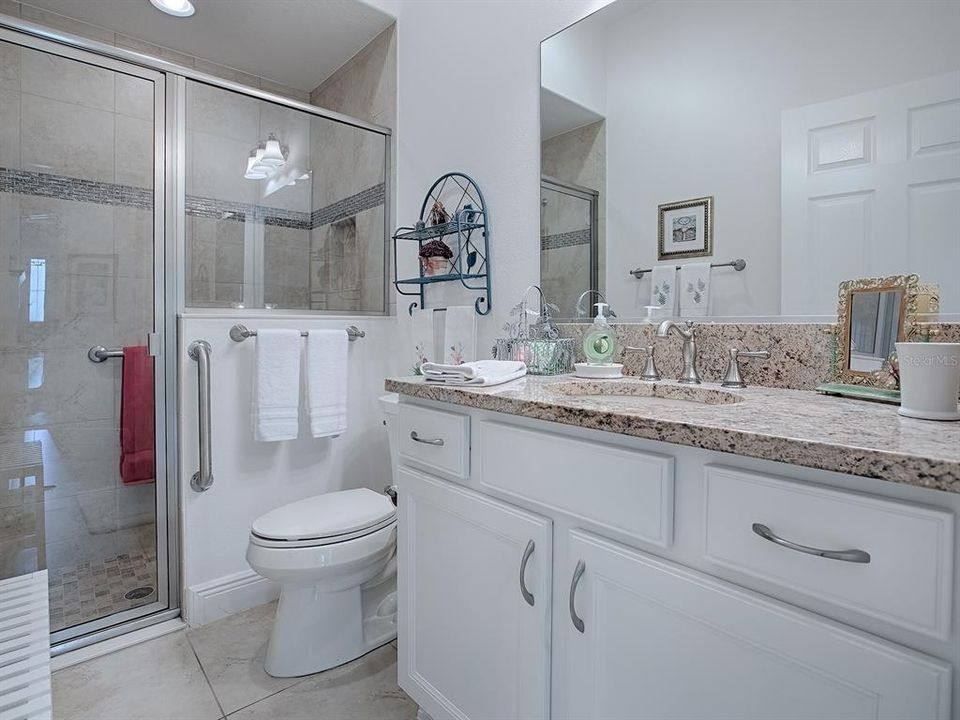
point(690, 376)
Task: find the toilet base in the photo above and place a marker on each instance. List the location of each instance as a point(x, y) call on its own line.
point(317, 630)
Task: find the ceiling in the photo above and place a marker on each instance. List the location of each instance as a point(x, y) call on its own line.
point(559, 115)
point(298, 43)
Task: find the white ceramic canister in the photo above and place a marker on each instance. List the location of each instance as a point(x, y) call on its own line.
point(929, 380)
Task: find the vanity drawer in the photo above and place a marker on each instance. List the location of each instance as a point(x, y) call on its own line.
point(435, 441)
point(609, 488)
point(907, 581)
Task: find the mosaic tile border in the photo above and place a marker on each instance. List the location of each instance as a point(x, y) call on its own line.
point(25, 182)
point(567, 239)
point(62, 187)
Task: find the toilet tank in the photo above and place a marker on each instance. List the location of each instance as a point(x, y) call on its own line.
point(389, 405)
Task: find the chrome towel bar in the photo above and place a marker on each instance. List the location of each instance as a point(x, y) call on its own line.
point(98, 353)
point(738, 265)
point(239, 333)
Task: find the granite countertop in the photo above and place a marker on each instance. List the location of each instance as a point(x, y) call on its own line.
point(798, 427)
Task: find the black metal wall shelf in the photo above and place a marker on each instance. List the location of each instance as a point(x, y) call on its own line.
point(469, 224)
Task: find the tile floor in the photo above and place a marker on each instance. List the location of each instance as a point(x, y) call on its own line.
point(216, 671)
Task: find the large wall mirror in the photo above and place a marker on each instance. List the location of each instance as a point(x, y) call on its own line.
point(806, 142)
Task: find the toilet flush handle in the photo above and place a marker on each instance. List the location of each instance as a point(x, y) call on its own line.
point(391, 492)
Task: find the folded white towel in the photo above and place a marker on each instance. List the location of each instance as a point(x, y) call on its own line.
point(327, 382)
point(276, 396)
point(694, 289)
point(459, 334)
point(663, 288)
point(479, 373)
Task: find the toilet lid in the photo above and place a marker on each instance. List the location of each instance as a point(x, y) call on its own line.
point(323, 516)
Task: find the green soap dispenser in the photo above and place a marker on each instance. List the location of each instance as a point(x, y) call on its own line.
point(600, 342)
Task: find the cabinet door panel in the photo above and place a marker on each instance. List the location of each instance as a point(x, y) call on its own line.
point(471, 645)
point(662, 642)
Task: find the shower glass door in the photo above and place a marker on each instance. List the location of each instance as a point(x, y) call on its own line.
point(83, 491)
point(568, 246)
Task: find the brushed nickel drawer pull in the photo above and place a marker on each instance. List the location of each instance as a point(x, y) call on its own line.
point(854, 556)
point(577, 574)
point(426, 441)
point(528, 551)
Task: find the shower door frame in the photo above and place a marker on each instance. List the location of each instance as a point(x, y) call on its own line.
point(167, 605)
point(593, 198)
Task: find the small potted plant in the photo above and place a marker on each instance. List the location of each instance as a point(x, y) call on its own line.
point(435, 258)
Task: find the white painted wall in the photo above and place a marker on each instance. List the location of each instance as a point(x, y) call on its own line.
point(491, 132)
point(706, 120)
point(573, 65)
point(252, 477)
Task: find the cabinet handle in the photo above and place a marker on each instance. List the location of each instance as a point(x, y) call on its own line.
point(854, 556)
point(528, 551)
point(577, 574)
point(426, 441)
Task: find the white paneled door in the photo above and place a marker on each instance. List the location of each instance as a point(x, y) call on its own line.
point(870, 186)
point(474, 603)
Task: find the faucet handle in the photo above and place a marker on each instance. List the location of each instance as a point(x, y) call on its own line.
point(732, 378)
point(650, 371)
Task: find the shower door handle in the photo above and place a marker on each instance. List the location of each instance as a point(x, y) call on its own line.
point(199, 350)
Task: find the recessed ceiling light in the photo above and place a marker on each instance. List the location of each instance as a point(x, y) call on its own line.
point(177, 8)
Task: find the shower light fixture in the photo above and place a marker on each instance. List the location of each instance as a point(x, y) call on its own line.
point(177, 8)
point(266, 159)
point(255, 171)
point(273, 155)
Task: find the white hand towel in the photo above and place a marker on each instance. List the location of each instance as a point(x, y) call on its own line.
point(459, 335)
point(421, 328)
point(663, 288)
point(327, 382)
point(476, 374)
point(276, 397)
point(694, 289)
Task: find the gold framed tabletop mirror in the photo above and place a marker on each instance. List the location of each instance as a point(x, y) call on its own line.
point(873, 315)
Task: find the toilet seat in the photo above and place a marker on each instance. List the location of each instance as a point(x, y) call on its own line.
point(324, 519)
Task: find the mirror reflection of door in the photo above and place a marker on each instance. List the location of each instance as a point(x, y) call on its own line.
point(874, 328)
point(568, 245)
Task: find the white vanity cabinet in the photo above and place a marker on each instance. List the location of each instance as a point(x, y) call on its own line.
point(656, 641)
point(651, 595)
point(474, 585)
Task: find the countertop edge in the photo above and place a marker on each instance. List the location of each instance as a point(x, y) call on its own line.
point(897, 467)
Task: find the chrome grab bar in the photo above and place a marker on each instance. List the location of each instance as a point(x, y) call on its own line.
point(199, 350)
point(99, 353)
point(426, 441)
point(528, 551)
point(577, 574)
point(854, 556)
point(239, 333)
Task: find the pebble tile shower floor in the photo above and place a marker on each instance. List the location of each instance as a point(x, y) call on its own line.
point(94, 590)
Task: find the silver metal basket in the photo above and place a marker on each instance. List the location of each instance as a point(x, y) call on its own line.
point(543, 357)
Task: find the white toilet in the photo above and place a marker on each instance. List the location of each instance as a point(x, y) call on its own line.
point(334, 556)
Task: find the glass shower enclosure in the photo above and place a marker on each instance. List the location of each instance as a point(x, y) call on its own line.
point(130, 189)
point(82, 292)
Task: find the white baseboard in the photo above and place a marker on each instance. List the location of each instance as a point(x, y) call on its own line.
point(212, 600)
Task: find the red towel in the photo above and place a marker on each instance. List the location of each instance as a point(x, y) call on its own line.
point(137, 417)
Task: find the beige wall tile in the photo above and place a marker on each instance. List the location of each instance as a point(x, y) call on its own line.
point(66, 80)
point(141, 46)
point(134, 151)
point(67, 139)
point(226, 73)
point(284, 90)
point(134, 96)
point(9, 67)
point(9, 129)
